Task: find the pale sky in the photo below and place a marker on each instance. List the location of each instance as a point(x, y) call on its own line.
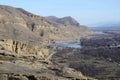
point(85, 11)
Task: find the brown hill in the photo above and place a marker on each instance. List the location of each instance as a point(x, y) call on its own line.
point(18, 24)
point(65, 20)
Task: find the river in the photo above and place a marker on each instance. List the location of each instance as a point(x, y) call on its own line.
point(69, 44)
point(74, 43)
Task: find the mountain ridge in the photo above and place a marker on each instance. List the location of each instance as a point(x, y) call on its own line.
point(37, 27)
point(68, 20)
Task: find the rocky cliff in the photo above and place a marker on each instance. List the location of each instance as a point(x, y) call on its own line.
point(23, 49)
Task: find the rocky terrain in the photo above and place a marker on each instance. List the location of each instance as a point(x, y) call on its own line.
point(24, 38)
point(21, 61)
point(99, 56)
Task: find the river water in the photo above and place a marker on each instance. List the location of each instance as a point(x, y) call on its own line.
point(69, 44)
point(74, 43)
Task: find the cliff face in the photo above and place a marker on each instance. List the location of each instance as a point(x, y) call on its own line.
point(23, 49)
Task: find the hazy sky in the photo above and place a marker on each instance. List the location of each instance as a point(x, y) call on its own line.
point(85, 11)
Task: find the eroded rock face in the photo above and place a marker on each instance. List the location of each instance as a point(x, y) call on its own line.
point(20, 48)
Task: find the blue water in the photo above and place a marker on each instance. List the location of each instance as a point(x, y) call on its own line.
point(73, 43)
point(69, 44)
point(100, 32)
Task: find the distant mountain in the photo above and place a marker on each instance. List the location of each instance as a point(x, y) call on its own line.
point(52, 18)
point(65, 20)
point(106, 26)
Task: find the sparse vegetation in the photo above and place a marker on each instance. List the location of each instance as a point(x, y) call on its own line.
point(99, 61)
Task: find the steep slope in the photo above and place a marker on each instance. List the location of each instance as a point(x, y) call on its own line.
point(18, 24)
point(13, 25)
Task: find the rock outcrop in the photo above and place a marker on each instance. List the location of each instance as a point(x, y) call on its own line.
point(23, 49)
